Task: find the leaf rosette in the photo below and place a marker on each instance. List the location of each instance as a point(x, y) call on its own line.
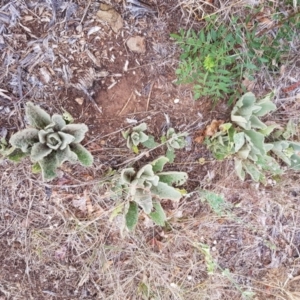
point(50, 141)
point(148, 185)
point(135, 136)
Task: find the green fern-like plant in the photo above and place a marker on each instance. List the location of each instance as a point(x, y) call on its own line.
point(146, 187)
point(210, 61)
point(49, 141)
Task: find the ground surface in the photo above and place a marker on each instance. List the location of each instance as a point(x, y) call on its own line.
point(57, 240)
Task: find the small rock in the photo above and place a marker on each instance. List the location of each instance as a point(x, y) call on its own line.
point(136, 44)
point(176, 101)
point(79, 100)
point(112, 17)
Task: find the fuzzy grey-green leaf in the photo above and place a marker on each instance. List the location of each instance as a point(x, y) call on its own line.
point(24, 138)
point(158, 216)
point(159, 163)
point(84, 156)
point(58, 121)
point(66, 139)
point(36, 116)
point(127, 175)
point(164, 191)
point(173, 177)
point(49, 165)
point(131, 216)
point(76, 130)
point(39, 151)
point(144, 199)
point(66, 155)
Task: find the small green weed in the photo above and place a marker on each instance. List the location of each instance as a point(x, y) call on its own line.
point(209, 61)
point(216, 58)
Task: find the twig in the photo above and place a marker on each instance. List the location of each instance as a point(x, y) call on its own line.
point(291, 87)
point(85, 11)
point(148, 100)
point(125, 104)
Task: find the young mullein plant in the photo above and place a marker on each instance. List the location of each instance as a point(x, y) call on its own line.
point(173, 141)
point(247, 141)
point(135, 136)
point(146, 187)
point(49, 142)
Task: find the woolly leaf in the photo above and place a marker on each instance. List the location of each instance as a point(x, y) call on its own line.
point(141, 127)
point(43, 135)
point(268, 163)
point(84, 156)
point(268, 129)
point(36, 168)
point(279, 148)
point(170, 154)
point(66, 155)
point(295, 145)
point(295, 162)
point(241, 121)
point(39, 151)
point(143, 137)
point(66, 139)
point(177, 178)
point(127, 175)
point(125, 134)
point(53, 140)
point(36, 116)
point(16, 154)
point(150, 143)
point(252, 170)
point(132, 216)
point(266, 106)
point(257, 140)
point(159, 163)
point(49, 165)
point(145, 172)
point(58, 121)
point(239, 141)
point(144, 199)
point(239, 169)
point(164, 191)
point(76, 130)
point(244, 152)
point(257, 123)
point(158, 215)
point(24, 139)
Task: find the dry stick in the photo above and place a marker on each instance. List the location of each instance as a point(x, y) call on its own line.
point(148, 100)
point(85, 11)
point(278, 24)
point(125, 104)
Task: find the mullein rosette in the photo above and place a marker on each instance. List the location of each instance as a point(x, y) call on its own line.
point(50, 141)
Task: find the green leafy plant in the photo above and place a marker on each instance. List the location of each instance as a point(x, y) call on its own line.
point(210, 60)
point(216, 58)
point(270, 50)
point(173, 141)
point(146, 187)
point(49, 142)
point(135, 136)
point(246, 141)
